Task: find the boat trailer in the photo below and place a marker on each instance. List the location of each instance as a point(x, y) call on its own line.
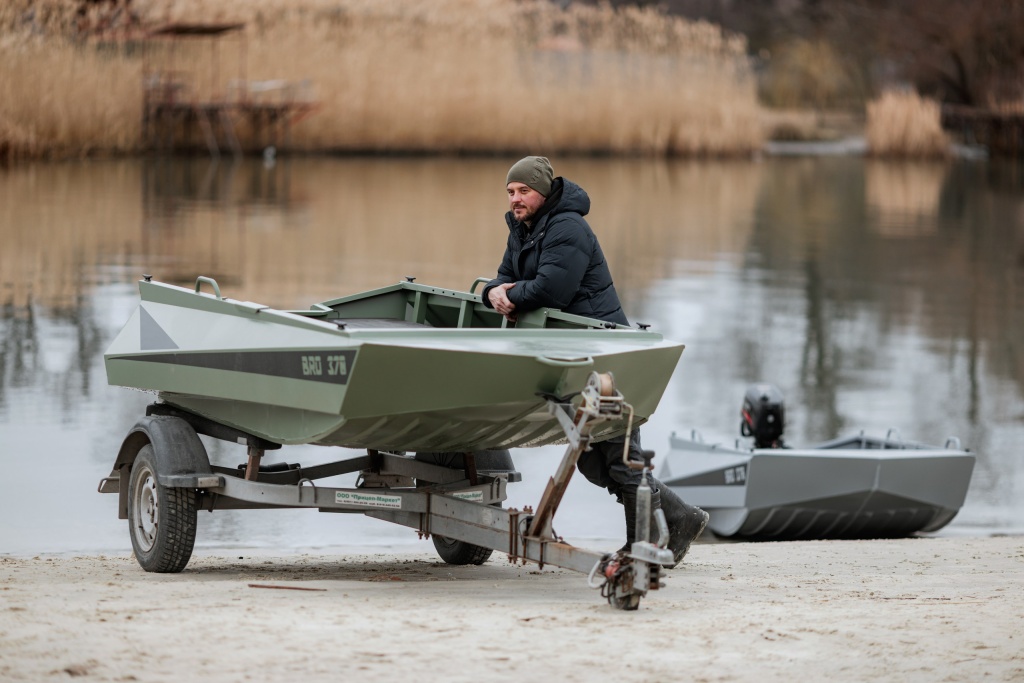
point(163, 477)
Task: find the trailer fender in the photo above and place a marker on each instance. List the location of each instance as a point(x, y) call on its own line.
point(181, 458)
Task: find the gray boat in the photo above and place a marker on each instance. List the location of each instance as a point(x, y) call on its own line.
point(852, 487)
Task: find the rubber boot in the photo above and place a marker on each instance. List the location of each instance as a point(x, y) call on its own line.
point(685, 522)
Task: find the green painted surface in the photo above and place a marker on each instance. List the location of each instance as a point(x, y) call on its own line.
point(432, 369)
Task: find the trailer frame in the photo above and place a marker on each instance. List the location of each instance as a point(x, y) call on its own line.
point(458, 504)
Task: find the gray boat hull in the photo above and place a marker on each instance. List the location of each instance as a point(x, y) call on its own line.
point(857, 487)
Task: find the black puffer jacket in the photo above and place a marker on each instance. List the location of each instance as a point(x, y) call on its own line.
point(558, 263)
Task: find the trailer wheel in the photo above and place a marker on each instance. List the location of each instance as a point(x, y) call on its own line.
point(460, 552)
point(161, 520)
point(626, 602)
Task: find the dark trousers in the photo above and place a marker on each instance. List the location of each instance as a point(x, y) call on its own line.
point(602, 465)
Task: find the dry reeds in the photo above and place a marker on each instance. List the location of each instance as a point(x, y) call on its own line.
point(401, 76)
point(61, 98)
point(497, 76)
point(15, 142)
point(903, 124)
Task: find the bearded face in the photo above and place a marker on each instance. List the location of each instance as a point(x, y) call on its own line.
point(523, 201)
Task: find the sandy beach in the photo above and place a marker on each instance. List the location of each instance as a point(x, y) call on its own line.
point(931, 609)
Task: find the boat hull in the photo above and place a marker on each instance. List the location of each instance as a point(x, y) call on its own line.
point(289, 379)
point(454, 403)
point(886, 489)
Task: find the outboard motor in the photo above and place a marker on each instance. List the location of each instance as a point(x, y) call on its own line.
point(763, 415)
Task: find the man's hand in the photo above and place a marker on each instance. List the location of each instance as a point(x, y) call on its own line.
point(498, 296)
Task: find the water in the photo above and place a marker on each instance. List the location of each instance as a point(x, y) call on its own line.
point(876, 295)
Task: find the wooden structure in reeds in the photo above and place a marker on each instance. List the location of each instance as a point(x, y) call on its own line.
point(1001, 131)
point(185, 110)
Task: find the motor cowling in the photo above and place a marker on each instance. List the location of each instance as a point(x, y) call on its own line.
point(763, 415)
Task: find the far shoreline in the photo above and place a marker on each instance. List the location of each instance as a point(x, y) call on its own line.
point(852, 146)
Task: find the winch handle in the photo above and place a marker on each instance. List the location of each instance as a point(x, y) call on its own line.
point(472, 287)
point(210, 281)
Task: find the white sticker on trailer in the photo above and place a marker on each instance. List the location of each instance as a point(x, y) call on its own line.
point(471, 496)
point(369, 500)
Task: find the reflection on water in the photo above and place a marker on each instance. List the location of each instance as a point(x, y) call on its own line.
point(904, 197)
point(875, 294)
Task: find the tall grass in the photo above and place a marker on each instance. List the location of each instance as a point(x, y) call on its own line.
point(903, 124)
point(59, 97)
point(15, 142)
point(398, 75)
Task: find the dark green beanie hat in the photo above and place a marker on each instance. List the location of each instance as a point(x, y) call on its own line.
point(534, 172)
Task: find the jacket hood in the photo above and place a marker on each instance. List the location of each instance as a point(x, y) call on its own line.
point(574, 198)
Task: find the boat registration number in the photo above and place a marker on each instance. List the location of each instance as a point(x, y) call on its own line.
point(735, 475)
point(337, 365)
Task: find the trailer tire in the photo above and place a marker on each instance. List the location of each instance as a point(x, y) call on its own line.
point(491, 461)
point(627, 603)
point(161, 520)
point(460, 552)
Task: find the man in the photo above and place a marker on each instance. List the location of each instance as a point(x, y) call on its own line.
point(553, 259)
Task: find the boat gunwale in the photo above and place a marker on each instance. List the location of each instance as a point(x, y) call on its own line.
point(322, 317)
point(890, 448)
point(324, 309)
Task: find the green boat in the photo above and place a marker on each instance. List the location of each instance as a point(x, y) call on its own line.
point(407, 367)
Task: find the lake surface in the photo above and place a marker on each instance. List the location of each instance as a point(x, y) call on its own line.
point(875, 295)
